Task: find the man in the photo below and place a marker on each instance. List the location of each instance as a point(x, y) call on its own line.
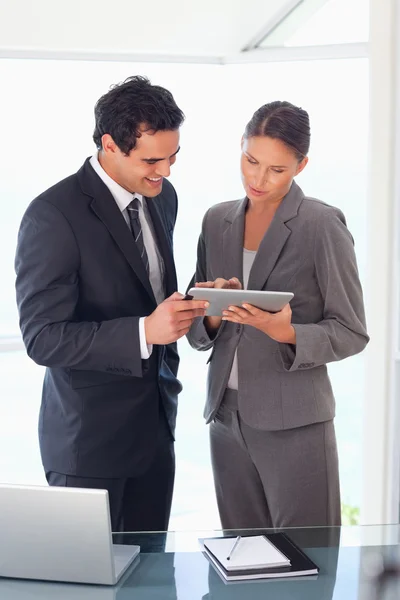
point(96, 292)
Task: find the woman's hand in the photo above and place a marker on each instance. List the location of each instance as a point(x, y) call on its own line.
point(212, 324)
point(227, 284)
point(277, 326)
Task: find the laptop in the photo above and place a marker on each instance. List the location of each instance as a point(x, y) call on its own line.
point(59, 534)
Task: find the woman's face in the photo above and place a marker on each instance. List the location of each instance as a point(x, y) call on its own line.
point(268, 167)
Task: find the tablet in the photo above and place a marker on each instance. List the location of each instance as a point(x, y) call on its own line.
point(221, 299)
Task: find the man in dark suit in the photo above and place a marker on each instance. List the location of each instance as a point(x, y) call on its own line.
point(96, 292)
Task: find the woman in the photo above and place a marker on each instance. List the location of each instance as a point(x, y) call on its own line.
point(269, 398)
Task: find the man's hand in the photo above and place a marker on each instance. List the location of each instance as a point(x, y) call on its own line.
point(213, 323)
point(172, 319)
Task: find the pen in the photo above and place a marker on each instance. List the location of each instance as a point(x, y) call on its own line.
point(234, 547)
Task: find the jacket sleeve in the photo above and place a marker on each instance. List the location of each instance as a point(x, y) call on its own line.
point(47, 286)
point(342, 331)
point(198, 336)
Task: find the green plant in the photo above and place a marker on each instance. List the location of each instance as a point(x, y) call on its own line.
point(350, 514)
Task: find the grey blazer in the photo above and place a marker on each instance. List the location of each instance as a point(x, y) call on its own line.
point(309, 251)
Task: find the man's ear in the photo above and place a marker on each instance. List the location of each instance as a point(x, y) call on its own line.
point(108, 144)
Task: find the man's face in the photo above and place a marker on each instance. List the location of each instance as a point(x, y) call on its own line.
point(144, 169)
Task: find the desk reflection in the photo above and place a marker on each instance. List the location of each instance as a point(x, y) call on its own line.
point(150, 577)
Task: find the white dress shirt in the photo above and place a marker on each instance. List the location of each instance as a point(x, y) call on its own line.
point(156, 268)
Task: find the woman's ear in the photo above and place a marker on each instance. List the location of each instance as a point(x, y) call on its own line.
point(302, 164)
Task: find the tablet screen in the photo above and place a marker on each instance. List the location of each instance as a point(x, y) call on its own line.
point(221, 299)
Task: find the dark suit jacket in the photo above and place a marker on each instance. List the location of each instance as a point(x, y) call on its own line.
point(81, 289)
point(309, 251)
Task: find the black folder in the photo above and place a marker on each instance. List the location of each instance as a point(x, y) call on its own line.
point(300, 564)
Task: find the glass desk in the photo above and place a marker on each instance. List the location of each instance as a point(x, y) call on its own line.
point(172, 567)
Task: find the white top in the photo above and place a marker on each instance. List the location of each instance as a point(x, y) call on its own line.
point(123, 198)
point(248, 259)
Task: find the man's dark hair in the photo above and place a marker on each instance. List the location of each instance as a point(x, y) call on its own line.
point(282, 121)
point(131, 104)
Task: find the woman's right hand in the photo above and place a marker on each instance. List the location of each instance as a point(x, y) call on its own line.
point(227, 284)
point(212, 324)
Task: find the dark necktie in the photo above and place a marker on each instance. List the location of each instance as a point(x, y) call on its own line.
point(133, 212)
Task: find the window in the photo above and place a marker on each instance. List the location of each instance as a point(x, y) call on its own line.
point(48, 129)
point(322, 23)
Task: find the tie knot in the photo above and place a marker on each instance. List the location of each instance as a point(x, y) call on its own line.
point(134, 205)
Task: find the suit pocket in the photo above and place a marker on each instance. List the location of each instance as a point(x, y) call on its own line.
point(86, 379)
point(278, 364)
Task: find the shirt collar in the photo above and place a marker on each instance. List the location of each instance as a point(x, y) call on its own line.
point(121, 196)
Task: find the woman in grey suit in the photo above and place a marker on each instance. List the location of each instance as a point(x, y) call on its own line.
point(269, 398)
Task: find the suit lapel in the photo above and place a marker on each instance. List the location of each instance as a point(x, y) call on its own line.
point(232, 241)
point(268, 253)
point(275, 239)
point(164, 245)
point(105, 207)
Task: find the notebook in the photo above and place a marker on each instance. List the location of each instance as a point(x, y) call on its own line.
point(255, 552)
point(257, 557)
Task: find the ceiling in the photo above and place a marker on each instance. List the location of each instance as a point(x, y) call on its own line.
point(192, 28)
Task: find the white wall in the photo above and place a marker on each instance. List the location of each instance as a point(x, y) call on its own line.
point(381, 424)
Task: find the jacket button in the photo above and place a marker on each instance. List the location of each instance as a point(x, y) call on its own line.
point(238, 328)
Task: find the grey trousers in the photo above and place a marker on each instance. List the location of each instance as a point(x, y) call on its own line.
point(287, 478)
